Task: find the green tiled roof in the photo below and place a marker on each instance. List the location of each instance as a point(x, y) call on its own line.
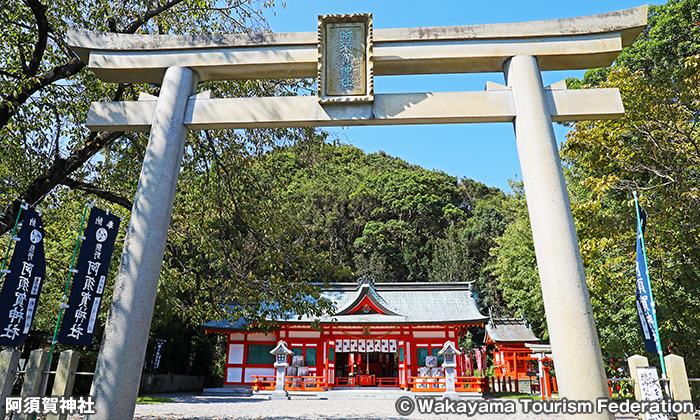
point(510, 330)
point(406, 303)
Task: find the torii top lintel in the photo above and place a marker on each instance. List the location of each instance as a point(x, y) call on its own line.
point(559, 44)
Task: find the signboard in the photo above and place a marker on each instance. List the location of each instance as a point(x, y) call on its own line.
point(650, 387)
point(345, 58)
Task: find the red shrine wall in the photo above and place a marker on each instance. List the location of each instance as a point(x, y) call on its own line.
point(248, 352)
point(511, 360)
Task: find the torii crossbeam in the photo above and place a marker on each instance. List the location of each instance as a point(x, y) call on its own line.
point(345, 55)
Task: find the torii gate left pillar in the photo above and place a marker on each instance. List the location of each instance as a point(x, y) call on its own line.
point(520, 50)
point(118, 371)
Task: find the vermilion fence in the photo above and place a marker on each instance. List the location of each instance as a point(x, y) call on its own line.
point(304, 383)
point(426, 383)
point(471, 384)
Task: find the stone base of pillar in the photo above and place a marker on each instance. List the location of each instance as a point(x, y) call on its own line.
point(451, 395)
point(279, 395)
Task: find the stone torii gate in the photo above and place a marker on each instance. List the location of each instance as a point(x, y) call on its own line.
point(345, 55)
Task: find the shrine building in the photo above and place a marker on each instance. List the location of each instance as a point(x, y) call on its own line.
point(512, 359)
point(381, 334)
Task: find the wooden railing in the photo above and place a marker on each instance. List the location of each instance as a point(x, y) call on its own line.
point(264, 383)
point(417, 384)
point(304, 383)
point(471, 384)
point(426, 383)
point(387, 382)
point(345, 381)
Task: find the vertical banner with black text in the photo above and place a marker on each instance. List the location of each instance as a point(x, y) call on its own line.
point(90, 276)
point(22, 286)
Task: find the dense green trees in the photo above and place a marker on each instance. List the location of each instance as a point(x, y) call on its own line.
point(45, 90)
point(515, 265)
point(377, 215)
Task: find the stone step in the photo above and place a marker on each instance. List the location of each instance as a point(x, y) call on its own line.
point(229, 390)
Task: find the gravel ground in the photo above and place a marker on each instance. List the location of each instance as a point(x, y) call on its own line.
point(191, 407)
point(196, 407)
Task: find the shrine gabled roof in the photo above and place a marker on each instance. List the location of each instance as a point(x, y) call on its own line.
point(389, 304)
point(510, 330)
point(366, 300)
point(401, 303)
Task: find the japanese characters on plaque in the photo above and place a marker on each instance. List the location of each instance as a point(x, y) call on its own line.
point(345, 58)
point(89, 279)
point(23, 280)
point(650, 388)
point(348, 68)
point(366, 346)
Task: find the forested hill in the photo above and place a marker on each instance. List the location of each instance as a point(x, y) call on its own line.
point(378, 215)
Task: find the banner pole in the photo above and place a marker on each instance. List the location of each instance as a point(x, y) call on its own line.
point(22, 206)
point(65, 290)
point(651, 294)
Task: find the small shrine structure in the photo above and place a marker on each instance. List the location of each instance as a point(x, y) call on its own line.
point(381, 334)
point(512, 359)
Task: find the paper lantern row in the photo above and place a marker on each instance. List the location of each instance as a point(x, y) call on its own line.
point(366, 346)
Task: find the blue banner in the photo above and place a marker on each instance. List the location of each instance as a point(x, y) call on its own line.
point(78, 326)
point(20, 292)
point(643, 290)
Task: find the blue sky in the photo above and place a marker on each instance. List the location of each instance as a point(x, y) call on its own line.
point(483, 152)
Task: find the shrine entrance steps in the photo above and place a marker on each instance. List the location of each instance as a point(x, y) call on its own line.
point(230, 390)
point(385, 393)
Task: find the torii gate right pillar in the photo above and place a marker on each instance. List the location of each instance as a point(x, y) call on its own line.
point(563, 280)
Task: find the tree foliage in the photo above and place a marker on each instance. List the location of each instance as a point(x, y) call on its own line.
point(379, 216)
point(45, 90)
point(651, 150)
point(515, 265)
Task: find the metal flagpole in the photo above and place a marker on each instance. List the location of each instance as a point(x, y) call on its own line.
point(63, 301)
point(22, 206)
point(651, 294)
point(71, 271)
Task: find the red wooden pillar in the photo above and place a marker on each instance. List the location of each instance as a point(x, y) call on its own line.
point(517, 370)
